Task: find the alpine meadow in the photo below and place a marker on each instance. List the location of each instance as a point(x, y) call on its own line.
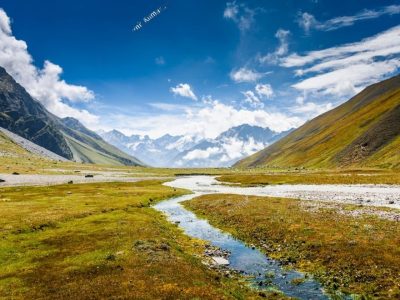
point(236, 149)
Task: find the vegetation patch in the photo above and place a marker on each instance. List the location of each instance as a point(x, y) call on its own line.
point(355, 255)
point(101, 241)
point(351, 176)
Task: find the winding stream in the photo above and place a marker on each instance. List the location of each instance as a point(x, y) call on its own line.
point(250, 261)
point(242, 258)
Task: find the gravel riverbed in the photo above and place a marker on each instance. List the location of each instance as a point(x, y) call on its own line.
point(40, 180)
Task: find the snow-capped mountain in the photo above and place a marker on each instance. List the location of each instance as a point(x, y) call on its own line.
point(187, 151)
point(153, 152)
point(229, 147)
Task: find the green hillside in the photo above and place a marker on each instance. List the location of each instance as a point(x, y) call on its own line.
point(363, 132)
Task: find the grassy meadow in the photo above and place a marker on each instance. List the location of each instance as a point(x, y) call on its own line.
point(354, 255)
point(254, 177)
point(101, 241)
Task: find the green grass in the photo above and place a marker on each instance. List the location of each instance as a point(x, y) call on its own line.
point(360, 176)
point(356, 255)
point(101, 241)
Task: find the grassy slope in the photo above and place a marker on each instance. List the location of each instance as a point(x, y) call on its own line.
point(100, 241)
point(356, 255)
point(90, 150)
point(318, 143)
point(14, 158)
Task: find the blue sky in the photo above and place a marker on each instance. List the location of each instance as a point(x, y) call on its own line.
point(198, 67)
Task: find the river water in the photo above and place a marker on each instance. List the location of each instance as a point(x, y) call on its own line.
point(242, 258)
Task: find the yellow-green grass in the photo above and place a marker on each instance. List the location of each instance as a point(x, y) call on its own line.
point(356, 176)
point(101, 241)
point(356, 255)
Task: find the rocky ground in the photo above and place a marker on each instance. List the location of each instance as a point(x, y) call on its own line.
point(32, 147)
point(358, 194)
point(24, 179)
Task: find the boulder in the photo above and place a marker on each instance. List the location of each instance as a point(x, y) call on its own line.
point(221, 261)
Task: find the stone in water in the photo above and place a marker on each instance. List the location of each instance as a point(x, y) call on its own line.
point(220, 260)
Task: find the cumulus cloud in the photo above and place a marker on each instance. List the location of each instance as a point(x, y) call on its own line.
point(311, 109)
point(43, 84)
point(273, 58)
point(265, 90)
point(308, 21)
point(345, 70)
point(184, 90)
point(207, 121)
point(245, 75)
point(252, 99)
point(235, 148)
point(202, 154)
point(240, 14)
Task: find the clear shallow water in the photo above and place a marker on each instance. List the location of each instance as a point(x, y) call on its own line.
point(242, 258)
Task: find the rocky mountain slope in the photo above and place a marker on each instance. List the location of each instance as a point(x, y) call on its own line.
point(363, 132)
point(29, 146)
point(23, 115)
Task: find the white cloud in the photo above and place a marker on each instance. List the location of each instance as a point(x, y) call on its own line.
point(345, 70)
point(43, 84)
point(349, 80)
point(5, 25)
point(235, 148)
point(184, 90)
point(282, 36)
point(311, 109)
point(231, 11)
point(282, 49)
point(206, 122)
point(245, 75)
point(168, 106)
point(252, 99)
point(265, 90)
point(308, 21)
point(385, 41)
point(202, 154)
point(240, 14)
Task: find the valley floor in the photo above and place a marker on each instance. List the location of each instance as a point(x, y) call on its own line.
point(348, 252)
point(101, 238)
point(98, 241)
point(46, 179)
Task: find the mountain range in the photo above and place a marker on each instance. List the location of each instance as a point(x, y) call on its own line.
point(188, 151)
point(67, 137)
point(363, 132)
